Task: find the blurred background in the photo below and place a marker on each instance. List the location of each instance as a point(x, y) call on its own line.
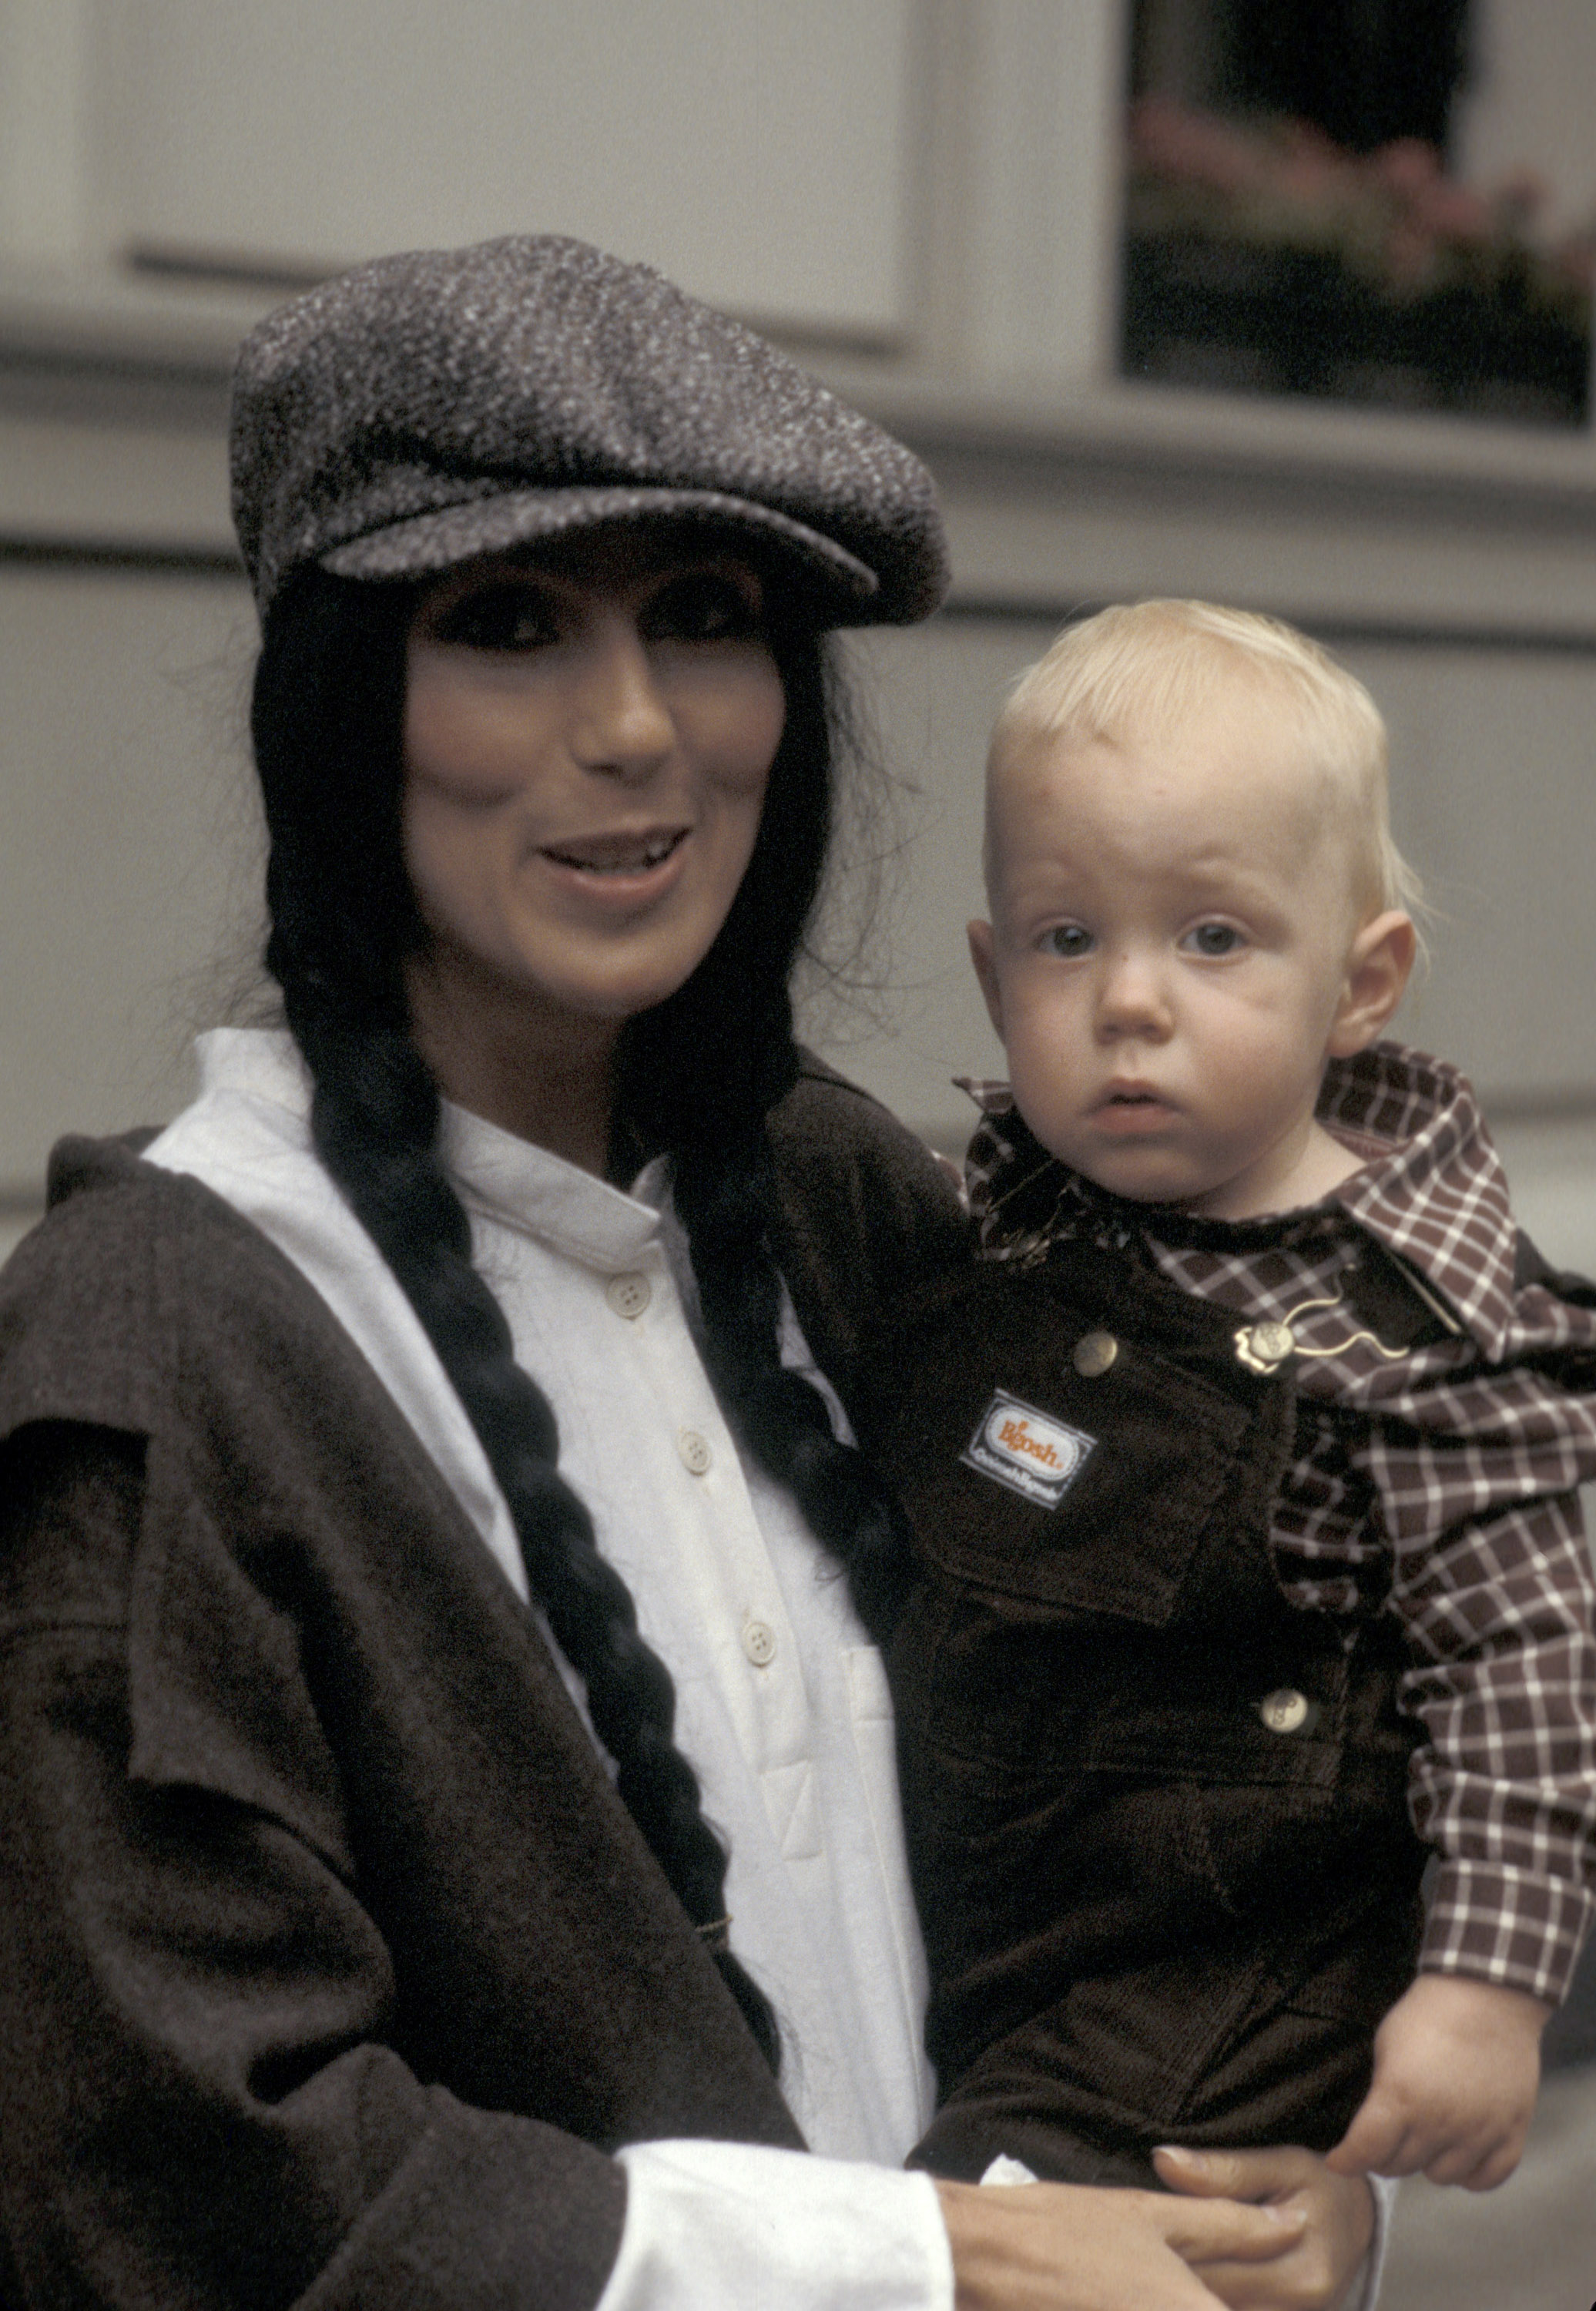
point(1283, 303)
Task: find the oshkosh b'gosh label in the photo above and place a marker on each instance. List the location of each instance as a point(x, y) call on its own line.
point(1028, 1451)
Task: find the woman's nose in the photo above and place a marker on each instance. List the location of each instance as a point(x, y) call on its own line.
point(1132, 998)
point(620, 723)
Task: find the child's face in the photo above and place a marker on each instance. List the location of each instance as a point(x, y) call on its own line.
point(1172, 954)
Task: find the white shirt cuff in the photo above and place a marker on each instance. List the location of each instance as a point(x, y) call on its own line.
point(734, 2226)
point(1364, 2297)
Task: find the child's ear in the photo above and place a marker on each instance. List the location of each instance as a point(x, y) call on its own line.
point(983, 956)
point(1377, 974)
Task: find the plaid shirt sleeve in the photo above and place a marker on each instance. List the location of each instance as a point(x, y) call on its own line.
point(1498, 1605)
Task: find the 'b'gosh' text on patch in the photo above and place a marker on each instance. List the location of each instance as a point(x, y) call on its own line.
point(1028, 1451)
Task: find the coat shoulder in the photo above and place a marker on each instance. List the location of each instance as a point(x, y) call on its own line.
point(867, 1213)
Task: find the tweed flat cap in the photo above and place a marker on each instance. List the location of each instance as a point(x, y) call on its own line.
point(428, 408)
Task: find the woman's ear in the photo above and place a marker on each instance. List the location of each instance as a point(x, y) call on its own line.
point(1378, 968)
point(983, 956)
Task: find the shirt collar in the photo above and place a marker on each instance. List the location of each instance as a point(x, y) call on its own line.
point(525, 1188)
point(504, 1179)
point(1433, 1192)
point(1438, 1196)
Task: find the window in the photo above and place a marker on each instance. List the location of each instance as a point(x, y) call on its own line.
point(1300, 218)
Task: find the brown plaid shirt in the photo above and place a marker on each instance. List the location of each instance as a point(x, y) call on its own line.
point(1441, 1482)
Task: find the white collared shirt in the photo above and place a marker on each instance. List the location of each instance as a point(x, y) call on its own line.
point(782, 1708)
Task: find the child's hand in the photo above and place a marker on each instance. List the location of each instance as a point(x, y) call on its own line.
point(1456, 2066)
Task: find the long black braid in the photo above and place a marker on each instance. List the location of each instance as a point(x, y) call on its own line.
point(697, 1077)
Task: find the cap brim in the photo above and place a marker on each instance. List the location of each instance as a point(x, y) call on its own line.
point(426, 542)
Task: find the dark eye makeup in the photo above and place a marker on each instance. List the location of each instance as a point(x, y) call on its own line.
point(516, 612)
point(699, 606)
point(502, 614)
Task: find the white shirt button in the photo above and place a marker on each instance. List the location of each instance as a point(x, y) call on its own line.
point(759, 1642)
point(695, 1450)
point(629, 1294)
point(1283, 1711)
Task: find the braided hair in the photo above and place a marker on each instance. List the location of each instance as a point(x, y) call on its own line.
point(696, 1079)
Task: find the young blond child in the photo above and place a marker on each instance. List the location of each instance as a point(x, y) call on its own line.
point(1242, 1466)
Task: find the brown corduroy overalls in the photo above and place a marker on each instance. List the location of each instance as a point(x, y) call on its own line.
point(1156, 1815)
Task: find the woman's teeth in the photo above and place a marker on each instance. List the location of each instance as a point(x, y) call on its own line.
point(620, 857)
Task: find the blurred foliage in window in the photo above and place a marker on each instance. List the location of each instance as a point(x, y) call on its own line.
point(1291, 227)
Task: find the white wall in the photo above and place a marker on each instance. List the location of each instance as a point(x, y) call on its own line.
point(130, 868)
point(756, 149)
point(935, 178)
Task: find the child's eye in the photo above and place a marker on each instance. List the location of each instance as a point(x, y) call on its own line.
point(1069, 939)
point(699, 606)
point(1213, 939)
point(507, 614)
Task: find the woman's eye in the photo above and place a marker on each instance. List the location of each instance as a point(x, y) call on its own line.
point(1213, 939)
point(504, 616)
point(699, 607)
point(1066, 940)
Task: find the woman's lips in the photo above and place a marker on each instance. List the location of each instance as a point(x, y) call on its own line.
point(616, 854)
point(617, 873)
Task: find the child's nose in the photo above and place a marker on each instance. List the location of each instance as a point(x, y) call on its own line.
point(1132, 998)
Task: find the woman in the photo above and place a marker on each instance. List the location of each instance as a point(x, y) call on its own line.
point(410, 1536)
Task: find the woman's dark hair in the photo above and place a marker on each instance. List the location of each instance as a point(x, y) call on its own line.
point(697, 1078)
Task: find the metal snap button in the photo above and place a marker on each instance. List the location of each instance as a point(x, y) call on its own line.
point(1285, 1711)
point(759, 1642)
point(695, 1450)
point(629, 1294)
point(1092, 1353)
point(1264, 1347)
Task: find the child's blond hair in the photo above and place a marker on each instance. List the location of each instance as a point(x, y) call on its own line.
point(1152, 662)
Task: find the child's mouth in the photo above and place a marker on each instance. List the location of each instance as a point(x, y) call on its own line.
point(1133, 1110)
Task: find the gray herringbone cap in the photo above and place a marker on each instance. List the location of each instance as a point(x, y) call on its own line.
point(428, 408)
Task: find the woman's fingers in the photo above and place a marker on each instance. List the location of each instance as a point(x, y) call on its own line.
point(1318, 2267)
point(1257, 2177)
point(1048, 2246)
point(1223, 2229)
point(1222, 2173)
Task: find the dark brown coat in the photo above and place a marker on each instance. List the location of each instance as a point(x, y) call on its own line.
point(331, 1968)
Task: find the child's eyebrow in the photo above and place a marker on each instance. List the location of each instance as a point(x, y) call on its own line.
point(1228, 872)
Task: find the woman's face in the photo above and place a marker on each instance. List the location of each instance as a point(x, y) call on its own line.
point(587, 739)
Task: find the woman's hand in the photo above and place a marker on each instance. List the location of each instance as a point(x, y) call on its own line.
point(1053, 2246)
point(1318, 2267)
